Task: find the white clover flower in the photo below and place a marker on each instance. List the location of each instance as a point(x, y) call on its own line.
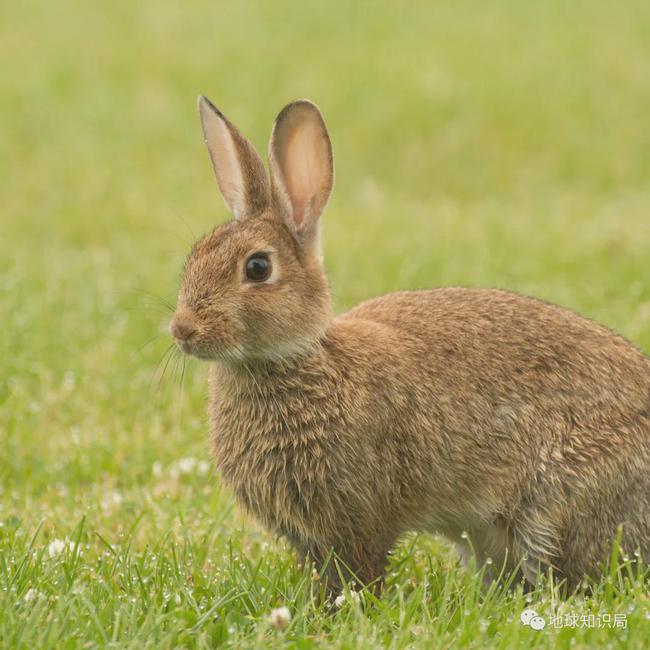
point(32, 594)
point(341, 598)
point(68, 381)
point(112, 499)
point(186, 465)
point(280, 617)
point(56, 547)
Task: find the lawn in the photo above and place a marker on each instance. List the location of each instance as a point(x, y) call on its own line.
point(496, 144)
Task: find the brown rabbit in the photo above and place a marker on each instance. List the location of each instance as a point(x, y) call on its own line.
point(516, 428)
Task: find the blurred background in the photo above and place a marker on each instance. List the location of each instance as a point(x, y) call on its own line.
point(494, 144)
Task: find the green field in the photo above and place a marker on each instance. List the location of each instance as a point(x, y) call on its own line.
point(496, 144)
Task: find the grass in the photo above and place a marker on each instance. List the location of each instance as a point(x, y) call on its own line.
point(494, 144)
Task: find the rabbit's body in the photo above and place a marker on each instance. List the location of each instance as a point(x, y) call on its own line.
point(475, 411)
point(516, 428)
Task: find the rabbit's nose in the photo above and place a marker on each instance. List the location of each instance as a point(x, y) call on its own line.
point(182, 328)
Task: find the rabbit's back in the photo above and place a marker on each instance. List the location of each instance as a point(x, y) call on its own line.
point(508, 346)
point(536, 420)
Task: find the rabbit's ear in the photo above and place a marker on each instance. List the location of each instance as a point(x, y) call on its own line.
point(239, 170)
point(301, 165)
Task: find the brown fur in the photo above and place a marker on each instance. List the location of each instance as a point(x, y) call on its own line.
point(451, 410)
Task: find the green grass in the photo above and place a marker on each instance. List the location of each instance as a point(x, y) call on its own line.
point(485, 144)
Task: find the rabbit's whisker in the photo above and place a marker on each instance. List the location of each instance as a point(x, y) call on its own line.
point(164, 362)
point(147, 344)
point(148, 295)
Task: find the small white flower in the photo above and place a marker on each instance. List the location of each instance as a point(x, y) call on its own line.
point(56, 547)
point(156, 469)
point(32, 594)
point(112, 499)
point(68, 381)
point(186, 465)
point(341, 598)
point(177, 599)
point(203, 467)
point(280, 617)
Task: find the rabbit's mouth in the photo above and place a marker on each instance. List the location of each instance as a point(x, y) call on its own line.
point(196, 349)
point(185, 346)
point(188, 336)
point(196, 346)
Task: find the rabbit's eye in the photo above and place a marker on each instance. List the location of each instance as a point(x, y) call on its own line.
point(258, 267)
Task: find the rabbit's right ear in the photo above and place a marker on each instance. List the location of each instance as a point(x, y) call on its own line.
point(239, 170)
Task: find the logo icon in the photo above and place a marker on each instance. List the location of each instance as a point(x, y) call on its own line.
point(530, 618)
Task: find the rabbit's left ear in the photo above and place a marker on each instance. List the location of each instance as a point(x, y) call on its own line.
point(301, 166)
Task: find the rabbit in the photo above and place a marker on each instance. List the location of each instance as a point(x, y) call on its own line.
point(516, 428)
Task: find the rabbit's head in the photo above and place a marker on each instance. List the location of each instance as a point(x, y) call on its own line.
point(255, 287)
